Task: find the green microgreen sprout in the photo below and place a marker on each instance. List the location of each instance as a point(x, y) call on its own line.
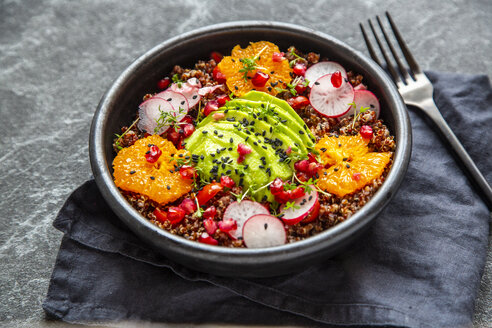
point(119, 136)
point(168, 119)
point(356, 115)
point(291, 205)
point(249, 64)
point(292, 62)
point(177, 80)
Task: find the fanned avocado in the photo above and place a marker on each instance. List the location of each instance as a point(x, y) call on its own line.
point(276, 135)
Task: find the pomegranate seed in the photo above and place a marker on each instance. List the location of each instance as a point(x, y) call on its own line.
point(216, 56)
point(282, 197)
point(226, 181)
point(302, 176)
point(277, 186)
point(227, 225)
point(296, 193)
point(218, 75)
point(243, 149)
point(366, 132)
point(153, 154)
point(336, 79)
point(299, 69)
point(302, 166)
point(188, 205)
point(288, 151)
point(260, 79)
point(174, 137)
point(210, 212)
point(241, 159)
point(175, 215)
point(210, 226)
point(187, 172)
point(298, 102)
point(218, 116)
point(222, 99)
point(164, 83)
point(206, 239)
point(187, 119)
point(160, 215)
point(188, 130)
point(356, 176)
point(210, 107)
point(301, 86)
point(312, 158)
point(313, 168)
point(278, 57)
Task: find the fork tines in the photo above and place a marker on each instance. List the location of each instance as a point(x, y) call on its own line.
point(403, 75)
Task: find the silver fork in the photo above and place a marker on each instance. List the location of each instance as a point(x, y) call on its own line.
point(416, 90)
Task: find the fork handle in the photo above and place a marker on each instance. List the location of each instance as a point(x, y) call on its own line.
point(474, 174)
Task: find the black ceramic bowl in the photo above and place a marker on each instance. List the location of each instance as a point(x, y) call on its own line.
point(118, 106)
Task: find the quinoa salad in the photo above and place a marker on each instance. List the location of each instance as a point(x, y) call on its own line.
point(255, 148)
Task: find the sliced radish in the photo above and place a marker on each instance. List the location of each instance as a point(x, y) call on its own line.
point(364, 98)
point(241, 211)
point(176, 99)
point(150, 111)
point(360, 86)
point(206, 90)
point(328, 100)
point(313, 215)
point(189, 89)
point(301, 209)
point(318, 70)
point(263, 230)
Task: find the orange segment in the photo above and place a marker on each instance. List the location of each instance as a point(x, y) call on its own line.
point(279, 72)
point(133, 173)
point(352, 165)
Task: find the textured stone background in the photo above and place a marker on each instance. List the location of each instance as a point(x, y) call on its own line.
point(58, 57)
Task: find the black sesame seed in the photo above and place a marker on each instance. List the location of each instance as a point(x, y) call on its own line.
point(182, 103)
point(310, 197)
point(194, 97)
point(335, 169)
point(323, 149)
point(220, 135)
point(235, 87)
point(316, 83)
point(187, 157)
point(168, 187)
point(325, 173)
point(229, 149)
point(348, 166)
point(152, 178)
point(169, 99)
point(147, 152)
point(132, 172)
point(255, 143)
point(231, 119)
point(202, 157)
point(345, 158)
point(205, 132)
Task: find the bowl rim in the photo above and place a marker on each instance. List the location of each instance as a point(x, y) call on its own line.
point(322, 240)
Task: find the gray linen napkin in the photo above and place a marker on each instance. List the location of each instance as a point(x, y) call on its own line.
point(419, 265)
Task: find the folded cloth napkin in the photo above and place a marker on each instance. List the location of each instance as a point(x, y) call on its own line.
point(419, 265)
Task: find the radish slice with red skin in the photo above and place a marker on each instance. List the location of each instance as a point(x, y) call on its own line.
point(302, 207)
point(330, 101)
point(264, 230)
point(206, 90)
point(360, 86)
point(176, 99)
point(242, 211)
point(364, 98)
point(189, 89)
point(150, 111)
point(320, 69)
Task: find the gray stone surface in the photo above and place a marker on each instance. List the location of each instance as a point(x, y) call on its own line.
point(58, 57)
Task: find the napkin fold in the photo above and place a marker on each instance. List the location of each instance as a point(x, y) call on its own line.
point(419, 264)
